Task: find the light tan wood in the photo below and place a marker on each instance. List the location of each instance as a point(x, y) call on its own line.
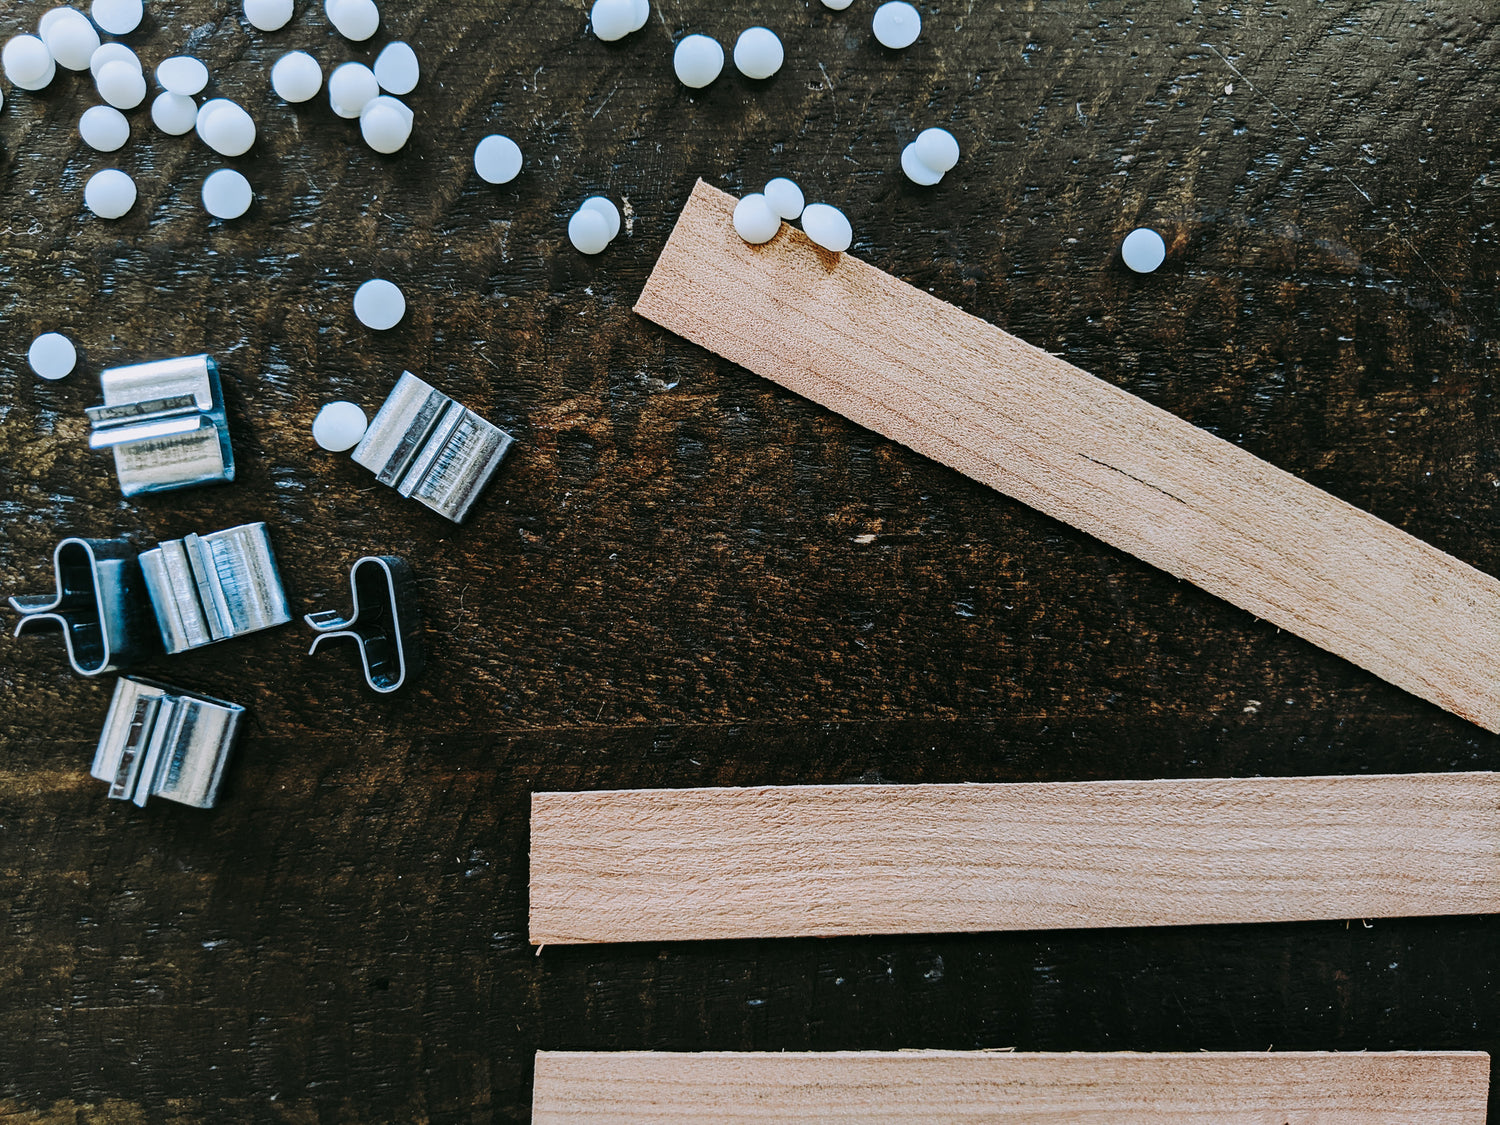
point(961, 391)
point(962, 1088)
point(782, 861)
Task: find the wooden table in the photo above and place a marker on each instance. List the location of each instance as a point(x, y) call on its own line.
point(686, 576)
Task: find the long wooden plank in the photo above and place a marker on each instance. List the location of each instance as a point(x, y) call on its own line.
point(959, 390)
point(961, 1088)
point(818, 860)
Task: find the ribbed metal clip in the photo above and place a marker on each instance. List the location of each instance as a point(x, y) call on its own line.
point(428, 447)
point(383, 623)
point(208, 588)
point(166, 423)
point(165, 742)
point(100, 605)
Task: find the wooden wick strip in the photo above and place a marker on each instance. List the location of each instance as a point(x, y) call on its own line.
point(961, 391)
point(818, 860)
point(943, 1087)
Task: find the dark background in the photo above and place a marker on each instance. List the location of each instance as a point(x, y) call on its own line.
point(686, 576)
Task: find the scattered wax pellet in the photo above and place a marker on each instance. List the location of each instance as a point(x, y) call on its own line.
point(71, 38)
point(785, 197)
point(355, 19)
point(268, 15)
point(174, 114)
point(1143, 250)
point(397, 69)
point(226, 194)
point(121, 85)
point(612, 19)
point(606, 208)
point(296, 77)
point(754, 220)
point(758, 53)
point(588, 231)
point(27, 62)
point(837, 5)
point(497, 159)
point(225, 127)
point(827, 226)
point(52, 355)
point(936, 148)
point(379, 304)
point(698, 60)
point(897, 24)
point(385, 124)
point(109, 194)
point(182, 74)
point(118, 17)
point(103, 128)
point(916, 170)
point(112, 52)
point(350, 88)
point(339, 426)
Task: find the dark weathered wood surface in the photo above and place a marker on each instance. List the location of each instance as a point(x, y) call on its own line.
point(686, 576)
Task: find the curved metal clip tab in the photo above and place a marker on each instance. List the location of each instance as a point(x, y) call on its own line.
point(207, 588)
point(100, 605)
point(165, 742)
point(384, 623)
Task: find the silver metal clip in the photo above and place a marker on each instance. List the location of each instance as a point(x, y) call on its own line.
point(100, 605)
point(166, 423)
point(384, 622)
point(165, 742)
point(208, 588)
point(428, 447)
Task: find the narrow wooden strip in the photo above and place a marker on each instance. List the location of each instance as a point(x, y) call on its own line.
point(818, 860)
point(961, 391)
point(943, 1087)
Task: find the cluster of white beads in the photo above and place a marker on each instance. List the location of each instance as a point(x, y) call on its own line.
point(929, 157)
point(758, 217)
point(594, 225)
point(615, 19)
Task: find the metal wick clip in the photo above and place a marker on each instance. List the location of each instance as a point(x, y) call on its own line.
point(383, 624)
point(166, 423)
point(100, 605)
point(208, 588)
point(165, 742)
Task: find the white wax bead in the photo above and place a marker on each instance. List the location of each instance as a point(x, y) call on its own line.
point(52, 355)
point(828, 227)
point(385, 124)
point(588, 231)
point(71, 39)
point(758, 53)
point(182, 74)
point(339, 426)
point(612, 19)
point(103, 129)
point(226, 194)
point(225, 127)
point(379, 304)
point(785, 197)
point(916, 171)
point(355, 19)
point(397, 69)
point(937, 148)
point(109, 194)
point(121, 85)
point(27, 62)
point(296, 77)
point(497, 159)
point(754, 221)
point(1143, 250)
point(837, 5)
point(897, 24)
point(118, 17)
point(606, 208)
point(174, 114)
point(268, 15)
point(698, 60)
point(642, 13)
point(350, 88)
point(112, 52)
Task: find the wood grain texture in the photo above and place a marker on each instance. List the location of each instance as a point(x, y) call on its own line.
point(949, 1088)
point(818, 861)
point(922, 372)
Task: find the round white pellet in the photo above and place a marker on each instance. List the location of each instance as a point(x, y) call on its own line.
point(339, 426)
point(497, 159)
point(109, 194)
point(588, 231)
point(1143, 250)
point(355, 19)
point(103, 129)
point(758, 53)
point(296, 77)
point(642, 10)
point(182, 74)
point(121, 85)
point(698, 60)
point(350, 88)
point(828, 227)
point(27, 62)
point(174, 114)
point(606, 208)
point(52, 355)
point(897, 24)
point(225, 127)
point(385, 124)
point(71, 39)
point(754, 221)
point(917, 171)
point(112, 52)
point(226, 194)
point(937, 148)
point(837, 5)
point(397, 69)
point(118, 17)
point(379, 304)
point(268, 15)
point(784, 197)
point(612, 19)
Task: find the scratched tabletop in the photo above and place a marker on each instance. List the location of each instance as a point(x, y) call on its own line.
point(686, 576)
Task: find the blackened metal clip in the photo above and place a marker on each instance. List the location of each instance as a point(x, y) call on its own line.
point(100, 605)
point(208, 588)
point(161, 741)
point(384, 622)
